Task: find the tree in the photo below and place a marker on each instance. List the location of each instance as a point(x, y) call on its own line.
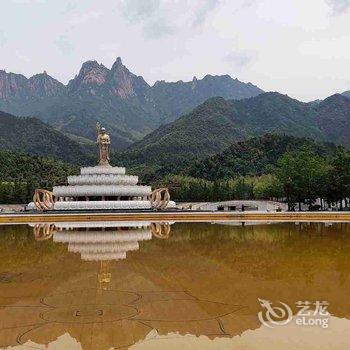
point(338, 187)
point(303, 175)
point(267, 187)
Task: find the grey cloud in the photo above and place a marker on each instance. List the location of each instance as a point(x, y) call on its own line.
point(203, 11)
point(136, 10)
point(156, 15)
point(339, 6)
point(239, 59)
point(150, 14)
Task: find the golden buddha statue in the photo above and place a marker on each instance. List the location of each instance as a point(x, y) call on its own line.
point(103, 141)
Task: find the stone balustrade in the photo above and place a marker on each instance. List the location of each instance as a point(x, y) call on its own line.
point(100, 205)
point(93, 170)
point(101, 190)
point(103, 179)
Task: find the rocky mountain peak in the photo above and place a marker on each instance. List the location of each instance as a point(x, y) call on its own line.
point(92, 67)
point(125, 84)
point(124, 101)
point(89, 65)
point(11, 85)
point(159, 82)
point(117, 64)
point(194, 82)
point(91, 73)
point(43, 84)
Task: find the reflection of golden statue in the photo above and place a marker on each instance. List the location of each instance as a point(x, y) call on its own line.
point(104, 276)
point(103, 142)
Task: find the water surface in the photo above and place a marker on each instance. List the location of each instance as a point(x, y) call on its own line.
point(111, 285)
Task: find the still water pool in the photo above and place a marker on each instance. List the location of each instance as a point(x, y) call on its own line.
point(142, 285)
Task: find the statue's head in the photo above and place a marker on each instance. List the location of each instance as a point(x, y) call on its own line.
point(103, 130)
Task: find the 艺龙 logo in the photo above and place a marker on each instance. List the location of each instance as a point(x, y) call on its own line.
point(309, 314)
point(273, 316)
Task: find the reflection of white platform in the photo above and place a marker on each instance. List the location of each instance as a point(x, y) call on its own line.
point(101, 241)
point(102, 247)
point(103, 256)
point(89, 224)
point(102, 236)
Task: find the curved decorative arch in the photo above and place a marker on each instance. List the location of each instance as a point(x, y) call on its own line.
point(43, 199)
point(159, 198)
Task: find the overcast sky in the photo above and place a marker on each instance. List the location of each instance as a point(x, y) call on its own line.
point(297, 47)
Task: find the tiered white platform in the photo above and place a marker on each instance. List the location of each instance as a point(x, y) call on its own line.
point(102, 187)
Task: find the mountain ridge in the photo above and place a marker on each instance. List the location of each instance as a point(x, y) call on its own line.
point(337, 128)
point(215, 124)
point(33, 137)
point(128, 106)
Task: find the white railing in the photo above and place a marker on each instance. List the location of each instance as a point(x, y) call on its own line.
point(102, 170)
point(98, 205)
point(101, 190)
point(103, 180)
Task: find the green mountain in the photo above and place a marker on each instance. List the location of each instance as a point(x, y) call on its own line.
point(214, 125)
point(175, 99)
point(32, 136)
point(122, 101)
point(346, 94)
point(333, 119)
point(253, 157)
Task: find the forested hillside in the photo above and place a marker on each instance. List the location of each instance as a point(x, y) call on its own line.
point(32, 136)
point(206, 130)
point(215, 124)
point(271, 166)
point(253, 157)
point(333, 118)
point(21, 174)
point(298, 177)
